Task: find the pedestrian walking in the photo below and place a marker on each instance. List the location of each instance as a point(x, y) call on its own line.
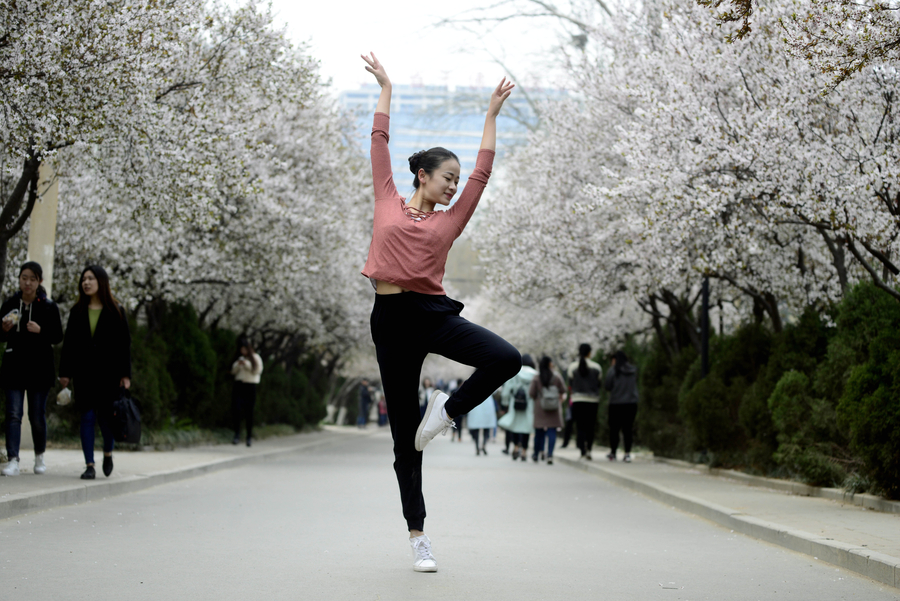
point(247, 371)
point(547, 390)
point(519, 419)
point(412, 315)
point(456, 433)
point(30, 327)
point(425, 391)
point(382, 410)
point(621, 382)
point(585, 381)
point(365, 401)
point(480, 421)
point(96, 354)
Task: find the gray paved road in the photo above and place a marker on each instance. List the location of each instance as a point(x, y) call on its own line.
point(325, 524)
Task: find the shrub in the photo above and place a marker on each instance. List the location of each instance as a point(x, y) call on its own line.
point(710, 407)
point(191, 363)
point(152, 385)
point(864, 313)
point(801, 346)
point(809, 443)
point(658, 422)
point(870, 410)
point(224, 345)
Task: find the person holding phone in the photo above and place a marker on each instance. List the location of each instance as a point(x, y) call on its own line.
point(30, 327)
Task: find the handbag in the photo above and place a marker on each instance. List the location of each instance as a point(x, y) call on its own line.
point(549, 398)
point(126, 419)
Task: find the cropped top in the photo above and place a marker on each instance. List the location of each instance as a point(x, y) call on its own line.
point(410, 252)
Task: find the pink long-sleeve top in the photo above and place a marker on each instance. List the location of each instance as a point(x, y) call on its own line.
point(409, 248)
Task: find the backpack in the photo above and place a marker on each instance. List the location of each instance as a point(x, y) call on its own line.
point(550, 398)
point(520, 399)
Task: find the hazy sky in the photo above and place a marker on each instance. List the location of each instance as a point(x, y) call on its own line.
point(403, 36)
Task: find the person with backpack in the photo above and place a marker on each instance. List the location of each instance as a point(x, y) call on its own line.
point(30, 327)
point(97, 354)
point(519, 418)
point(585, 380)
point(621, 382)
point(547, 390)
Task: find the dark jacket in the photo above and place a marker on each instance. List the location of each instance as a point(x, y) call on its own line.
point(622, 387)
point(28, 360)
point(97, 363)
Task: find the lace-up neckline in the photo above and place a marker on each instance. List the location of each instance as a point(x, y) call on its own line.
point(414, 213)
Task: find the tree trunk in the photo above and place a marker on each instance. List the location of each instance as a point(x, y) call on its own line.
point(13, 217)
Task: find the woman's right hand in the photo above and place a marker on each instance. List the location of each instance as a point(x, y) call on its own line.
point(375, 68)
point(64, 382)
point(8, 325)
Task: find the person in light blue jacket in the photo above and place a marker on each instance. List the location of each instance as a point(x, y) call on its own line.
point(520, 422)
point(482, 419)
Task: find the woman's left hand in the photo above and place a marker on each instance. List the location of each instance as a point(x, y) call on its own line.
point(125, 383)
point(33, 327)
point(499, 96)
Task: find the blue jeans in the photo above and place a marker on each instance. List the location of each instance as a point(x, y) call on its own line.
point(37, 405)
point(539, 434)
point(88, 420)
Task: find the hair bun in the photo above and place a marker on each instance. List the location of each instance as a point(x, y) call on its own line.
point(414, 162)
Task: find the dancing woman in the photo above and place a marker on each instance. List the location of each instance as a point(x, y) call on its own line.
point(412, 315)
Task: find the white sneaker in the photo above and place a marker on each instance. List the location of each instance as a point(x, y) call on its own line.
point(39, 466)
point(423, 560)
point(433, 423)
point(12, 468)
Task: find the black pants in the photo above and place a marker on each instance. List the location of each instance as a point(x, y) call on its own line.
point(585, 417)
point(621, 417)
point(567, 429)
point(405, 328)
point(521, 441)
point(243, 399)
point(485, 437)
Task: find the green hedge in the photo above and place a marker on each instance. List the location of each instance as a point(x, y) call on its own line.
point(816, 402)
point(181, 376)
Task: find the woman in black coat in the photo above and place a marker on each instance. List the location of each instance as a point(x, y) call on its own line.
point(30, 327)
point(97, 354)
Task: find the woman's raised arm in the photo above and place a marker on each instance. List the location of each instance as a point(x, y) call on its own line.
point(375, 68)
point(498, 97)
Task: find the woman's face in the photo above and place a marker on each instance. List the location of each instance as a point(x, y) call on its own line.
point(440, 186)
point(89, 283)
point(28, 282)
point(245, 351)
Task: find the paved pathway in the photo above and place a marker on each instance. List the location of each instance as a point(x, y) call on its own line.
point(317, 517)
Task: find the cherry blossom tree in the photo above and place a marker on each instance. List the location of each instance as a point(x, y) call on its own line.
point(688, 157)
point(234, 185)
point(156, 100)
point(837, 37)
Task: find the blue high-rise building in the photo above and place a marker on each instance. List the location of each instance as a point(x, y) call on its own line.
point(426, 116)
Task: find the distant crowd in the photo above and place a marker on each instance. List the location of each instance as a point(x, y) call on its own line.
point(540, 401)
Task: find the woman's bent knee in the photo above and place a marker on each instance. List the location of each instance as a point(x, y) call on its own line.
point(510, 362)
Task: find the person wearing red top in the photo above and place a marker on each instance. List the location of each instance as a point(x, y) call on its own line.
point(412, 315)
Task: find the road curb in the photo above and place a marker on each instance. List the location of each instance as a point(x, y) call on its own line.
point(877, 566)
point(82, 492)
point(795, 488)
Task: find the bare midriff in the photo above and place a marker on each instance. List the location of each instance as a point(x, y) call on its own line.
point(388, 288)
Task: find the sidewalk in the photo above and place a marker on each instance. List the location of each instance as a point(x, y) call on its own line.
point(841, 533)
point(136, 471)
